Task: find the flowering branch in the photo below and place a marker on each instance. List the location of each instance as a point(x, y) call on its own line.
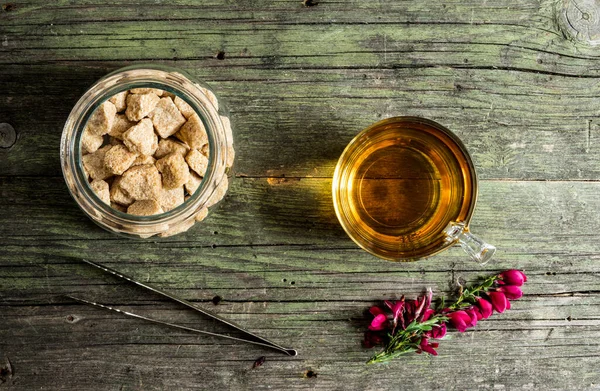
point(407, 326)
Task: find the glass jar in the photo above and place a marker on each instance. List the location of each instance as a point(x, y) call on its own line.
point(215, 118)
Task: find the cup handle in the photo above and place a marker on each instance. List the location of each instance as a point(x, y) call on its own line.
point(473, 245)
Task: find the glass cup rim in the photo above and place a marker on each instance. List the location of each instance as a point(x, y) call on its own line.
point(359, 140)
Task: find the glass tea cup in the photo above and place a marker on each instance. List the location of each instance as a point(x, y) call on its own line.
point(405, 188)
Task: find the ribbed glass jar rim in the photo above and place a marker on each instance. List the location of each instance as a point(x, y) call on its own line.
point(174, 81)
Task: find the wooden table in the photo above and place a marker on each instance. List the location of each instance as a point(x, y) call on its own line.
point(517, 80)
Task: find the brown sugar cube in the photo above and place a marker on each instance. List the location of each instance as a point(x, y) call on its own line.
point(174, 170)
point(166, 146)
point(202, 214)
point(171, 198)
point(100, 187)
point(166, 118)
point(211, 97)
point(90, 142)
point(120, 101)
point(118, 207)
point(118, 159)
point(183, 107)
point(143, 159)
point(197, 162)
point(155, 91)
point(140, 138)
point(193, 133)
point(219, 192)
point(141, 182)
point(140, 105)
point(94, 163)
point(120, 125)
point(205, 150)
point(144, 208)
point(102, 119)
point(118, 196)
point(193, 183)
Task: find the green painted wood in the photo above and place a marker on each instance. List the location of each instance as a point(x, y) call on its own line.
point(300, 83)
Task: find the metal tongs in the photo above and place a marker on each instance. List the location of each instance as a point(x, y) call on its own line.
point(259, 340)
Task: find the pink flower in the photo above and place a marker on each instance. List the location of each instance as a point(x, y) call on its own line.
point(376, 311)
point(379, 321)
point(396, 308)
point(427, 347)
point(513, 277)
point(511, 292)
point(474, 314)
point(460, 320)
point(427, 314)
point(437, 332)
point(499, 301)
point(485, 308)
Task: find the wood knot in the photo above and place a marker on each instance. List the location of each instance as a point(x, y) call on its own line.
point(579, 20)
point(6, 371)
point(8, 7)
point(8, 136)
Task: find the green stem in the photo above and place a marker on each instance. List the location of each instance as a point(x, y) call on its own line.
point(472, 293)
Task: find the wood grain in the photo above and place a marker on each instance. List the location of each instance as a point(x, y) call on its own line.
point(300, 82)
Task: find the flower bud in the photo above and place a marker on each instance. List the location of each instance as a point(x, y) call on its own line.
point(438, 332)
point(485, 307)
point(498, 301)
point(512, 292)
point(513, 277)
point(460, 320)
point(378, 323)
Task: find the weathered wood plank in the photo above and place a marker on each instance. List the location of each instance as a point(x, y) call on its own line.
point(160, 358)
point(533, 218)
point(299, 123)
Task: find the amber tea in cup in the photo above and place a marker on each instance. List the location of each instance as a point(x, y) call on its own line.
point(405, 188)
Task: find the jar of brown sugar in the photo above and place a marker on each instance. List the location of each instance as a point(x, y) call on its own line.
point(146, 151)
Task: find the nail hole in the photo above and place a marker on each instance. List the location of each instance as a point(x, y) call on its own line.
point(213, 245)
point(310, 374)
point(570, 318)
point(284, 280)
point(293, 282)
point(215, 233)
point(466, 60)
point(70, 318)
point(216, 300)
point(220, 55)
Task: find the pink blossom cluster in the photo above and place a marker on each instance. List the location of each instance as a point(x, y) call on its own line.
point(397, 316)
point(497, 298)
